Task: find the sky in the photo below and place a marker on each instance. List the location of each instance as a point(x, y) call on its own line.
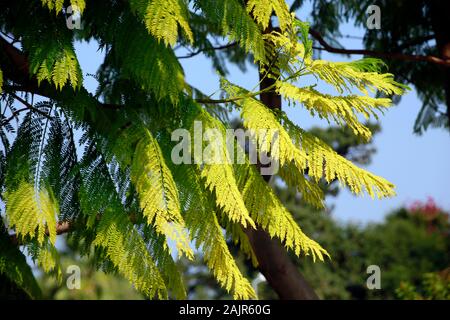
point(417, 165)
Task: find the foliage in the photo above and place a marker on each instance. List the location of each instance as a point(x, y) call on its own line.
point(94, 284)
point(408, 28)
point(403, 246)
point(116, 186)
point(434, 286)
point(409, 243)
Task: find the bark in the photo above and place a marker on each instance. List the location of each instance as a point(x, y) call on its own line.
point(274, 263)
point(278, 269)
point(439, 13)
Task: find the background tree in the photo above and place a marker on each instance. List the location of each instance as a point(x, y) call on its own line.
point(99, 166)
point(413, 40)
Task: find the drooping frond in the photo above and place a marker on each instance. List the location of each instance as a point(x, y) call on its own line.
point(56, 64)
point(272, 216)
point(262, 11)
point(287, 143)
point(125, 248)
point(149, 64)
point(343, 110)
point(158, 194)
point(231, 17)
point(34, 176)
point(59, 168)
point(310, 190)
point(166, 265)
point(269, 134)
point(359, 74)
point(218, 172)
point(46, 257)
point(324, 162)
point(201, 219)
point(31, 212)
point(137, 253)
point(162, 18)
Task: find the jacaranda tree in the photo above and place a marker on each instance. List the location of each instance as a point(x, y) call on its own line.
point(100, 167)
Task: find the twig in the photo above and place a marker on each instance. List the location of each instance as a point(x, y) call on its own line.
point(389, 55)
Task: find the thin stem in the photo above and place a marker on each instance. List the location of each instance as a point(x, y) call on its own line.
point(29, 106)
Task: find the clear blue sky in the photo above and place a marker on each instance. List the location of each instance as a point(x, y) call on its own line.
point(417, 165)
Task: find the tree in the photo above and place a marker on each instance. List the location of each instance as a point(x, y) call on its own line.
point(413, 39)
point(410, 246)
point(434, 286)
point(409, 243)
point(117, 190)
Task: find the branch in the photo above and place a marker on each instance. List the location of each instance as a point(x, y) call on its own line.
point(193, 54)
point(29, 106)
point(388, 55)
point(13, 116)
point(16, 68)
point(61, 228)
point(26, 83)
point(416, 41)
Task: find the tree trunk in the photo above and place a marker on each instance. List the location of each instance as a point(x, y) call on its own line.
point(439, 13)
point(278, 269)
point(274, 262)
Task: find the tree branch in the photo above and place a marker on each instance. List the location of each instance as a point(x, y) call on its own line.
point(193, 54)
point(29, 106)
point(388, 55)
point(61, 228)
point(19, 73)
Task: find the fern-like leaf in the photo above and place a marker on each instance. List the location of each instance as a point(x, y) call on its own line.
point(32, 212)
point(218, 174)
point(207, 233)
point(151, 65)
point(361, 74)
point(125, 248)
point(162, 18)
point(58, 68)
point(343, 110)
point(158, 193)
point(262, 11)
point(288, 143)
point(231, 17)
point(324, 162)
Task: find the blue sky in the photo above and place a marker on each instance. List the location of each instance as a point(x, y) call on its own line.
point(417, 165)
